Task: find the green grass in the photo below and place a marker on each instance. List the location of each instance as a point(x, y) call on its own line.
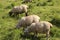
point(45, 9)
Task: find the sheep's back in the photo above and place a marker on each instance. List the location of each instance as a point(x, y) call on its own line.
point(46, 25)
point(32, 19)
point(36, 18)
point(36, 28)
point(24, 7)
point(17, 9)
point(40, 27)
point(28, 20)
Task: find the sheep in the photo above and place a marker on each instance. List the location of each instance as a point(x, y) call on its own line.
point(16, 10)
point(27, 20)
point(39, 27)
point(27, 1)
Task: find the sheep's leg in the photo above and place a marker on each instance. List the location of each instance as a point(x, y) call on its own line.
point(26, 14)
point(24, 28)
point(47, 35)
point(17, 15)
point(35, 34)
point(13, 15)
point(10, 13)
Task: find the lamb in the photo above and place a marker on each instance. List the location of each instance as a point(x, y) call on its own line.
point(16, 10)
point(39, 27)
point(28, 20)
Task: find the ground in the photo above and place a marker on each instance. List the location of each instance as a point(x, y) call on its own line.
point(47, 10)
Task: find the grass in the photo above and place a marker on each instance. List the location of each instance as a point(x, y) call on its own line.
point(47, 10)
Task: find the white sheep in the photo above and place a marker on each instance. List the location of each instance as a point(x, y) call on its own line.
point(28, 20)
point(39, 27)
point(16, 10)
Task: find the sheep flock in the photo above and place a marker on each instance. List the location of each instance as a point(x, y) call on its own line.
point(30, 23)
point(33, 24)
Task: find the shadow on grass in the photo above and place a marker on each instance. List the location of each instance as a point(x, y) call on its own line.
point(55, 22)
point(31, 37)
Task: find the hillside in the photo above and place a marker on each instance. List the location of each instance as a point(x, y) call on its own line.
point(47, 10)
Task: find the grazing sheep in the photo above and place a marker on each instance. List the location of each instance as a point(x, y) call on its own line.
point(19, 10)
point(27, 1)
point(28, 20)
point(39, 27)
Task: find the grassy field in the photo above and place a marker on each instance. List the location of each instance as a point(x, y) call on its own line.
point(47, 10)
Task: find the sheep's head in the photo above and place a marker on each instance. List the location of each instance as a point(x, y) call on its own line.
point(26, 31)
point(18, 26)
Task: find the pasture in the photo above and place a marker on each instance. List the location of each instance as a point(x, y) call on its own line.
point(47, 10)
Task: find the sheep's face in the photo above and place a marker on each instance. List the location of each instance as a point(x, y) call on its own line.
point(26, 31)
point(18, 26)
